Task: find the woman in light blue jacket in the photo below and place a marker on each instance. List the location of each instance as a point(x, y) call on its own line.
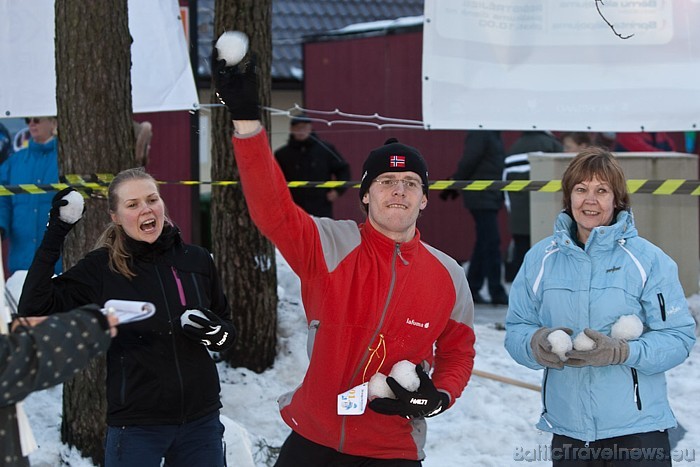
point(593, 270)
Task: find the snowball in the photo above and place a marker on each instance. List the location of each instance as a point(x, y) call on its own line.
point(185, 318)
point(73, 211)
point(583, 342)
point(232, 47)
point(627, 327)
point(379, 388)
point(561, 343)
point(404, 372)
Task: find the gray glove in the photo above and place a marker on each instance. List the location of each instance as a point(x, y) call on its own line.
point(607, 351)
point(542, 349)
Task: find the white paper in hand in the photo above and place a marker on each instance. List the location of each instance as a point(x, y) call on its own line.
point(128, 311)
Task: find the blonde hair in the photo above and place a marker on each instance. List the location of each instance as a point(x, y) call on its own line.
point(113, 237)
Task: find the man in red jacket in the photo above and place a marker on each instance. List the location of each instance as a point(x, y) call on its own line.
point(373, 293)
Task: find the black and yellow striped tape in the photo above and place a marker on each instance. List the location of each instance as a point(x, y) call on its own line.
point(98, 182)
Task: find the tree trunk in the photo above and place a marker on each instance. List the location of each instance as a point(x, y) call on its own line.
point(93, 93)
point(245, 259)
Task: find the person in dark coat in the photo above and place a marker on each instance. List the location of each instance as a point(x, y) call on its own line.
point(307, 157)
point(163, 387)
point(483, 159)
point(518, 203)
point(34, 357)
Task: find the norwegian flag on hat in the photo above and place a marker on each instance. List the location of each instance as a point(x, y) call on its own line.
point(397, 161)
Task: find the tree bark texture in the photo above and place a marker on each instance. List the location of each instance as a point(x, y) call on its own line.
point(245, 259)
point(93, 93)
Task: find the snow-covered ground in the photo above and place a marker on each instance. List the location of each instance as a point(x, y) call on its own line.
point(492, 424)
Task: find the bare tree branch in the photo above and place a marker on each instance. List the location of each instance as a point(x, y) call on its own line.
point(608, 22)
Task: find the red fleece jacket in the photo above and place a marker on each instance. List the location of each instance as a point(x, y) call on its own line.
point(361, 291)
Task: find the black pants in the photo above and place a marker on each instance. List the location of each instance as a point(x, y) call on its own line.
point(638, 450)
point(485, 263)
point(298, 451)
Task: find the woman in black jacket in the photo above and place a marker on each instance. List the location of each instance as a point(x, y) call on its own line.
point(162, 384)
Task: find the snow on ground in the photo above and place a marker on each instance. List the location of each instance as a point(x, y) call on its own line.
point(488, 426)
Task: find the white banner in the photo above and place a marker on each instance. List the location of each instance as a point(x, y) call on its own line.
point(557, 65)
point(161, 75)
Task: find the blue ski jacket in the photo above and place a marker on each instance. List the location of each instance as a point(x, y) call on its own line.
point(616, 273)
point(24, 216)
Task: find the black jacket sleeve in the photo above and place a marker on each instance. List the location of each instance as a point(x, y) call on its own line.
point(43, 294)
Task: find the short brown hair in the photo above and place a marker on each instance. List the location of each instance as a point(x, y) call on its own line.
point(600, 163)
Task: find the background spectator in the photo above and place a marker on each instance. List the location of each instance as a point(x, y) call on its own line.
point(307, 157)
point(5, 143)
point(643, 142)
point(483, 158)
point(576, 141)
point(23, 217)
point(517, 167)
point(143, 132)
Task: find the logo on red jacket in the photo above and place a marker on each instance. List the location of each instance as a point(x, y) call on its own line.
point(417, 324)
point(397, 161)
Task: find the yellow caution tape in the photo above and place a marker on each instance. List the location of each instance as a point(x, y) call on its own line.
point(99, 182)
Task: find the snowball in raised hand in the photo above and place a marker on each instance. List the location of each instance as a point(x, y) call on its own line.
point(232, 47)
point(73, 211)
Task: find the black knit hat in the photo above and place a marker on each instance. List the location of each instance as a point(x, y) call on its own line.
point(393, 157)
point(301, 118)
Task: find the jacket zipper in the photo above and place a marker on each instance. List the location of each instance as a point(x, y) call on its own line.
point(392, 283)
point(635, 381)
point(178, 370)
point(662, 305)
point(544, 397)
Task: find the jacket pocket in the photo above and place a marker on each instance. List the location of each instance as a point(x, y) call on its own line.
point(662, 305)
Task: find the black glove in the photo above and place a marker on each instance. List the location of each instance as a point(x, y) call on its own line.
point(237, 86)
point(215, 333)
point(56, 229)
point(2, 233)
point(427, 401)
point(449, 194)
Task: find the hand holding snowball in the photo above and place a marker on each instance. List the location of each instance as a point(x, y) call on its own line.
point(425, 401)
point(404, 372)
point(236, 83)
point(544, 351)
point(67, 208)
point(67, 205)
point(583, 342)
point(607, 351)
